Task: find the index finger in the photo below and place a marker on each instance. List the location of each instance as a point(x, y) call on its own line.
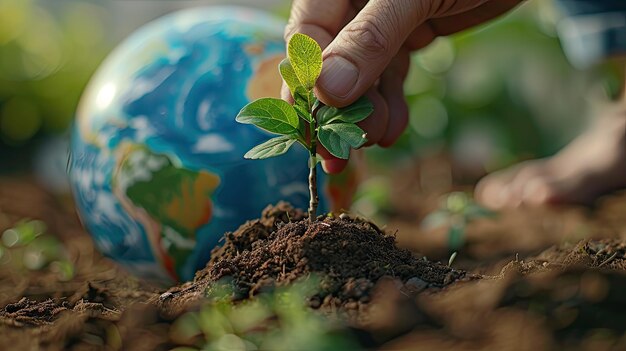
point(319, 19)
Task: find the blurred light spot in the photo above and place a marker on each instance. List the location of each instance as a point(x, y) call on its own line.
point(373, 195)
point(417, 81)
point(85, 25)
point(478, 147)
point(105, 95)
point(429, 117)
point(230, 342)
point(43, 54)
point(19, 120)
point(547, 16)
point(34, 259)
point(10, 237)
point(438, 56)
point(13, 16)
point(474, 81)
point(37, 227)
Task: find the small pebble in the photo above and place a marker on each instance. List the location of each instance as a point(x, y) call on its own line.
point(166, 295)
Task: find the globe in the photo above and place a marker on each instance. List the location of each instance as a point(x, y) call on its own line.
point(157, 168)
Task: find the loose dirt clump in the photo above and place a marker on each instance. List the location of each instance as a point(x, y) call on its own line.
point(29, 312)
point(349, 255)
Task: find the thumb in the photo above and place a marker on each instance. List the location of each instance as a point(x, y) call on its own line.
point(359, 54)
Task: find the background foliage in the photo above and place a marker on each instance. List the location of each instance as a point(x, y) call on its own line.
point(486, 97)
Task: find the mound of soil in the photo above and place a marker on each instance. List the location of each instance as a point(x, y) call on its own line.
point(350, 255)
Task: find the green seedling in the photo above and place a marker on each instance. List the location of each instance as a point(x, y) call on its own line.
point(457, 210)
point(451, 259)
point(273, 320)
point(27, 246)
point(307, 121)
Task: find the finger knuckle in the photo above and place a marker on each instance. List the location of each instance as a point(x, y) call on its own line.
point(370, 38)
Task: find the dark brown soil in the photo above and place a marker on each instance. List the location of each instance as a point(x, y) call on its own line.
point(565, 298)
point(349, 255)
point(564, 290)
point(490, 243)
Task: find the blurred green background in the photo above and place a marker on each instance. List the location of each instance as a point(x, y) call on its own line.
point(485, 98)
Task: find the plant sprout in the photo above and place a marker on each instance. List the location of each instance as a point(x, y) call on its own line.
point(274, 320)
point(307, 121)
point(457, 210)
point(28, 246)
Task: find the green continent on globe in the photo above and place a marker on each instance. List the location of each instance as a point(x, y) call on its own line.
point(176, 200)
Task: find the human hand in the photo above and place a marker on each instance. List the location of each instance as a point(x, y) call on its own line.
point(366, 52)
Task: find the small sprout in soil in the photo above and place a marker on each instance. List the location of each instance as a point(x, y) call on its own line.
point(28, 246)
point(23, 232)
point(63, 269)
point(457, 210)
point(276, 320)
point(307, 121)
point(451, 259)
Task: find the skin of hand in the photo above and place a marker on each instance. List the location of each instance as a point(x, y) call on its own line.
point(367, 47)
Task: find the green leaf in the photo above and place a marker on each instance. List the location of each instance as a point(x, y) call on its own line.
point(337, 138)
point(273, 147)
point(274, 115)
point(354, 113)
point(325, 114)
point(300, 97)
point(303, 113)
point(316, 104)
point(289, 76)
point(305, 56)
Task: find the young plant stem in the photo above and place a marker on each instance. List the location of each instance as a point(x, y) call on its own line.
point(314, 200)
point(313, 192)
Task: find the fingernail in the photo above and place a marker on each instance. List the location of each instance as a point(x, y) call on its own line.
point(338, 76)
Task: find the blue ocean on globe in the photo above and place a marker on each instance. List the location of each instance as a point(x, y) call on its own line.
point(157, 167)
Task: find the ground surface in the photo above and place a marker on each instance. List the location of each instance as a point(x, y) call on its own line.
point(529, 279)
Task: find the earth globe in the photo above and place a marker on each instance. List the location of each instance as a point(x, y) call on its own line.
point(157, 168)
